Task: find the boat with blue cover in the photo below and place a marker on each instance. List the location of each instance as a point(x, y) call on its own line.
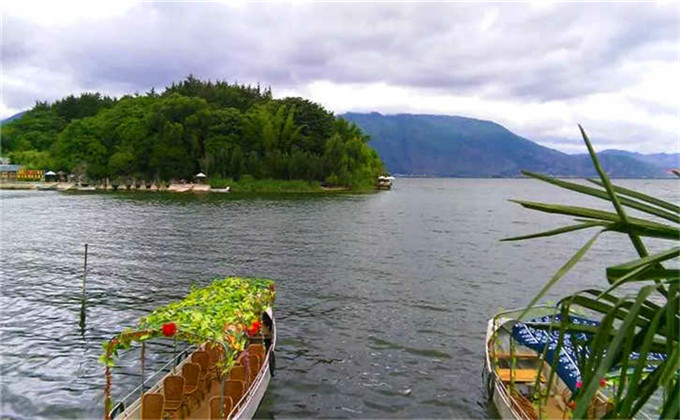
point(532, 374)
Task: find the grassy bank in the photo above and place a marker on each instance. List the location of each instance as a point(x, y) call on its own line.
point(250, 184)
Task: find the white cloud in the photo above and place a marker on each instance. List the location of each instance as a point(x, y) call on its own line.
point(537, 69)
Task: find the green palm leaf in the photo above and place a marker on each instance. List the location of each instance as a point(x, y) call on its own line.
point(628, 324)
point(671, 216)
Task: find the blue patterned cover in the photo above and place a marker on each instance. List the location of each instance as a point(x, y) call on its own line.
point(572, 346)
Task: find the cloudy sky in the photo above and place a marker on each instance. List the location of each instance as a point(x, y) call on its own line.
point(536, 69)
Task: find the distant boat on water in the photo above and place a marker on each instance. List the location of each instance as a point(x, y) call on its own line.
point(220, 190)
point(385, 182)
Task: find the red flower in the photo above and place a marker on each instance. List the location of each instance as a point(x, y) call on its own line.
point(603, 382)
point(254, 328)
point(571, 405)
point(169, 329)
point(579, 384)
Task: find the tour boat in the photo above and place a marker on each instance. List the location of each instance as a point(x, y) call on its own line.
point(223, 378)
point(519, 357)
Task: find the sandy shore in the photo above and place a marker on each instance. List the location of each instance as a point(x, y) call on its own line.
point(67, 186)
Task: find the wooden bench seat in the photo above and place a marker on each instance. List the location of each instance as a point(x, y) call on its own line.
point(507, 356)
point(521, 375)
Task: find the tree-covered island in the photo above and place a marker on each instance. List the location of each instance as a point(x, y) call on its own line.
point(228, 131)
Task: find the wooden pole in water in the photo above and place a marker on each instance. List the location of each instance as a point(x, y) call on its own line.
point(82, 305)
point(85, 270)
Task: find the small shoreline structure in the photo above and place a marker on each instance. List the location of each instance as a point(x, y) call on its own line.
point(384, 182)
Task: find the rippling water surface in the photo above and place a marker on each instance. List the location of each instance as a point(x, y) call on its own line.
point(382, 298)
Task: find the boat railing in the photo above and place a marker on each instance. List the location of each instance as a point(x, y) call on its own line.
point(134, 395)
point(533, 312)
point(245, 398)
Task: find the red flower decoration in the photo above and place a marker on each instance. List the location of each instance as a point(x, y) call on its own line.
point(571, 405)
point(254, 328)
point(579, 384)
point(169, 329)
point(603, 382)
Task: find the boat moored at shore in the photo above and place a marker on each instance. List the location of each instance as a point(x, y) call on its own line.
point(531, 373)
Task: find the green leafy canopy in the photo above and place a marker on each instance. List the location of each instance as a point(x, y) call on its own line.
point(220, 312)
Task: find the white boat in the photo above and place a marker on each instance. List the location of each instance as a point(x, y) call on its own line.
point(47, 186)
point(195, 384)
point(220, 190)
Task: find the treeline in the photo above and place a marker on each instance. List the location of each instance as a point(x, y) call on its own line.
point(221, 129)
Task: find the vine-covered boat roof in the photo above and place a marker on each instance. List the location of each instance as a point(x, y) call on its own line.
point(227, 312)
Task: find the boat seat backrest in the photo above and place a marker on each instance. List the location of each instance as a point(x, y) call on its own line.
point(152, 406)
point(190, 373)
point(238, 373)
point(254, 366)
point(173, 388)
point(215, 407)
point(201, 358)
point(214, 352)
point(234, 389)
point(257, 350)
point(241, 360)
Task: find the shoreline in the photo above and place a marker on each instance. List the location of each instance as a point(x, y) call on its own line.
point(250, 188)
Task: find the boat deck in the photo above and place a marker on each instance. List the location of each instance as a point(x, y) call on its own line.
point(242, 381)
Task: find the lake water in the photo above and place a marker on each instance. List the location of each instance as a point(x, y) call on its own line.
point(382, 298)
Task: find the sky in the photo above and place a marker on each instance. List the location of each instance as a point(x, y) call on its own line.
point(538, 68)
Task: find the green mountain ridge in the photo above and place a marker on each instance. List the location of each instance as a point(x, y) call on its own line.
point(455, 146)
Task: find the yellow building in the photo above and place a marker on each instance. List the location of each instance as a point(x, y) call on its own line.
point(11, 173)
point(30, 174)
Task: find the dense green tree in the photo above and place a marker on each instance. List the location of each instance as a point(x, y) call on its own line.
point(35, 130)
point(222, 129)
point(85, 105)
point(79, 150)
point(316, 123)
point(237, 163)
point(33, 159)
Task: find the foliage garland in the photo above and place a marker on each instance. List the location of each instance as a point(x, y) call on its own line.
point(227, 311)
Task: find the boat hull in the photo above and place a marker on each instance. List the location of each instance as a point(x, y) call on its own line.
point(498, 393)
point(251, 401)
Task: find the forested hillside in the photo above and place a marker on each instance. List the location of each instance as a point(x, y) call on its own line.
point(224, 130)
point(442, 145)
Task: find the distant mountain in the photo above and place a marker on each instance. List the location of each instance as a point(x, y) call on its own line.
point(440, 145)
point(13, 117)
point(665, 161)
